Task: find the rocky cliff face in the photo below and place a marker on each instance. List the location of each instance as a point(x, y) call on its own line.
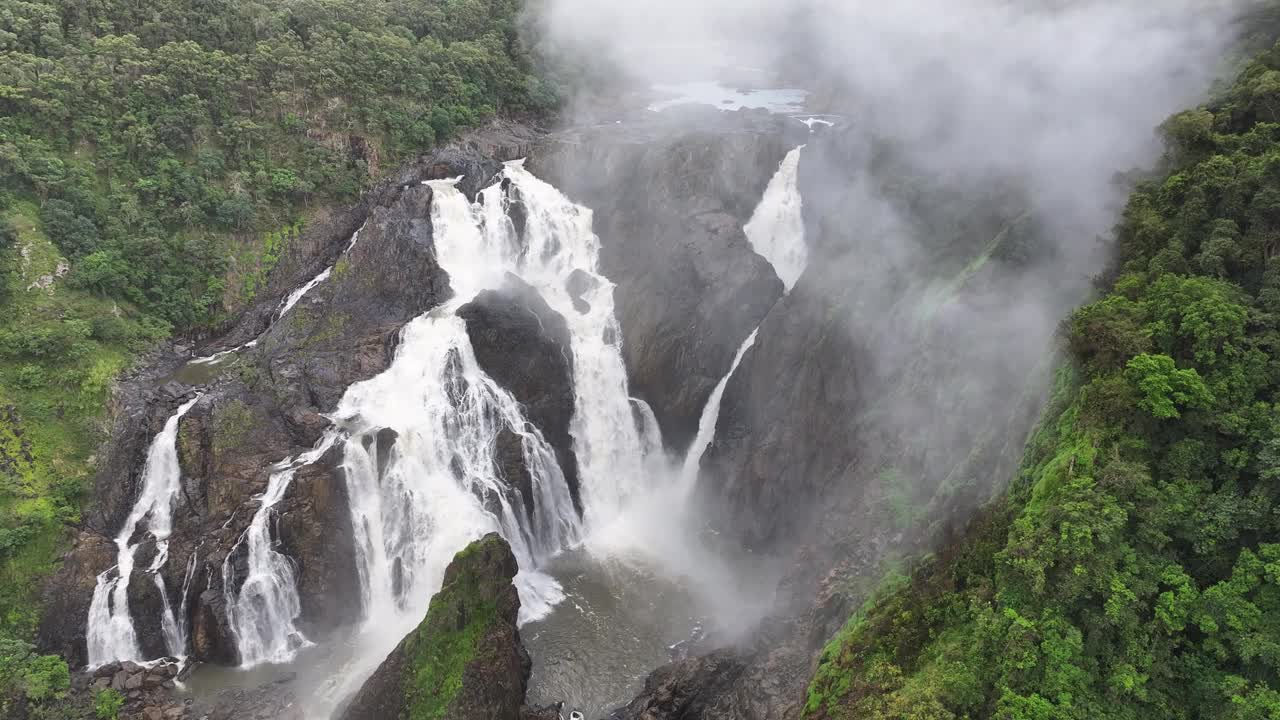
point(828, 443)
point(465, 661)
point(670, 211)
point(264, 405)
point(670, 196)
point(872, 410)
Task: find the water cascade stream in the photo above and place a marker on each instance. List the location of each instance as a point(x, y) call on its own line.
point(111, 634)
point(418, 441)
point(776, 232)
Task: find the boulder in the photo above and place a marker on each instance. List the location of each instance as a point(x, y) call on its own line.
point(465, 660)
point(684, 689)
point(524, 345)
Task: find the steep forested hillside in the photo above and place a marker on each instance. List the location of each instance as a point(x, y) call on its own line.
point(156, 159)
point(1132, 570)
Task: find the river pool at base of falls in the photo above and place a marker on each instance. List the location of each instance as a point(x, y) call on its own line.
point(612, 629)
point(618, 622)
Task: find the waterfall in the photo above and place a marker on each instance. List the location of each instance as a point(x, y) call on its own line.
point(418, 440)
point(298, 294)
point(262, 614)
point(616, 454)
point(776, 233)
point(111, 634)
point(776, 229)
point(710, 416)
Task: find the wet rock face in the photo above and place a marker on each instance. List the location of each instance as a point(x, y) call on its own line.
point(345, 329)
point(684, 690)
point(669, 204)
point(785, 433)
point(523, 344)
point(264, 406)
point(465, 661)
point(881, 380)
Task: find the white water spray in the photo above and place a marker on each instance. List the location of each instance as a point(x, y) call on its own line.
point(616, 445)
point(111, 634)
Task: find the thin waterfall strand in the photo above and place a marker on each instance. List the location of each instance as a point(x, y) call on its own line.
point(111, 633)
point(776, 233)
point(776, 229)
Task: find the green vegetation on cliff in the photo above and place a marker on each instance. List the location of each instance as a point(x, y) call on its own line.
point(156, 159)
point(440, 649)
point(150, 133)
point(1133, 569)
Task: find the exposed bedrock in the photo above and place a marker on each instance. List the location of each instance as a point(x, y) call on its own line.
point(523, 345)
point(670, 196)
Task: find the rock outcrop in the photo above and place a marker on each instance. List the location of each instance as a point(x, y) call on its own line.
point(465, 661)
point(888, 394)
point(523, 345)
point(670, 196)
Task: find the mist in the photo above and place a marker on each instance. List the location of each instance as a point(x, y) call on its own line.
point(1037, 114)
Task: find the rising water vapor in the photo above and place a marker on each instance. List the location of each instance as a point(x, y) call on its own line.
point(956, 118)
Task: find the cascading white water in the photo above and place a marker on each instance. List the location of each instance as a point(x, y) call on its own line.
point(776, 233)
point(111, 634)
point(301, 292)
point(617, 454)
point(710, 416)
point(776, 229)
point(419, 454)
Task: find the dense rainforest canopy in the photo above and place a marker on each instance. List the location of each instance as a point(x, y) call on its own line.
point(1131, 571)
point(156, 158)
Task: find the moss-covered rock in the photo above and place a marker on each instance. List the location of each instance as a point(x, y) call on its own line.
point(465, 661)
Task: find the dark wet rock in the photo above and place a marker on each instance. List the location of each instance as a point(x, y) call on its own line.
point(523, 344)
point(469, 633)
point(271, 701)
point(783, 438)
point(211, 636)
point(684, 690)
point(580, 283)
point(545, 712)
point(315, 530)
point(884, 379)
point(669, 204)
point(476, 157)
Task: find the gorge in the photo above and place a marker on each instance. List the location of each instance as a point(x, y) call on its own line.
point(821, 381)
